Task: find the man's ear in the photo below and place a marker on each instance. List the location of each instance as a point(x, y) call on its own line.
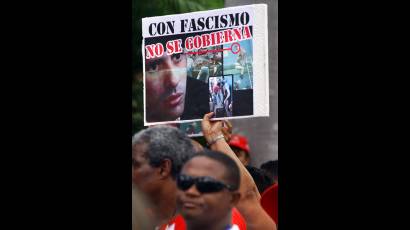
point(165, 168)
point(248, 158)
point(235, 198)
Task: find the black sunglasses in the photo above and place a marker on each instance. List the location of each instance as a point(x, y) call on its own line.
point(203, 184)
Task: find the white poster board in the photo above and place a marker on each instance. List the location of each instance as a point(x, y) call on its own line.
point(199, 62)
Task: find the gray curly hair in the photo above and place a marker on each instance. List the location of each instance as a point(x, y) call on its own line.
point(165, 142)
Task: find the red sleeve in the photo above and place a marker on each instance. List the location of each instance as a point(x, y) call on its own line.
point(269, 201)
point(178, 222)
point(238, 219)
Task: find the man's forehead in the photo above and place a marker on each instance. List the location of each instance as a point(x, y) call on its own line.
point(204, 166)
point(139, 150)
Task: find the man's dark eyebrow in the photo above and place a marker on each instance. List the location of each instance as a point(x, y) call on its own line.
point(156, 59)
point(153, 61)
point(182, 54)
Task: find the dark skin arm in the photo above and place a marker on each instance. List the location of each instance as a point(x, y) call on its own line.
point(249, 204)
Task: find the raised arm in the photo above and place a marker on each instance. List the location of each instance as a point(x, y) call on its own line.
point(249, 205)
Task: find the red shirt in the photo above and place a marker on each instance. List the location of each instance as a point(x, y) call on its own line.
point(178, 222)
point(216, 89)
point(269, 201)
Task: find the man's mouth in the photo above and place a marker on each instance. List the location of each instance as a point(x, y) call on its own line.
point(174, 99)
point(190, 205)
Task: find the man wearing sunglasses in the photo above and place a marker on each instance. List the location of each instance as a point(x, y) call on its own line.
point(208, 191)
point(158, 155)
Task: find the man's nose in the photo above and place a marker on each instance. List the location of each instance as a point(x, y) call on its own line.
point(171, 74)
point(192, 191)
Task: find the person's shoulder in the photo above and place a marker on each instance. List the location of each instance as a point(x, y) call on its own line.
point(195, 82)
point(196, 99)
point(192, 80)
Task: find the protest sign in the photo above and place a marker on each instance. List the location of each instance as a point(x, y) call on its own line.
point(199, 62)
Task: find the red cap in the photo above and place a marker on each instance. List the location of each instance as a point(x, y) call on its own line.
point(239, 142)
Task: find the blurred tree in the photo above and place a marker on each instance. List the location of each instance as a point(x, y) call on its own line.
point(141, 9)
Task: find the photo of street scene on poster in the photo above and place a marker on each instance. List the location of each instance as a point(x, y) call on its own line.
point(238, 61)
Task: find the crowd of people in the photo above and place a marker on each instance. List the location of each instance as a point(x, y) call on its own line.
point(179, 184)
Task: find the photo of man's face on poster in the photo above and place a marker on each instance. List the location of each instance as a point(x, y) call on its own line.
point(172, 94)
point(165, 83)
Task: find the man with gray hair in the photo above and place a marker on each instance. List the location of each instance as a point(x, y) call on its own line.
point(158, 154)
